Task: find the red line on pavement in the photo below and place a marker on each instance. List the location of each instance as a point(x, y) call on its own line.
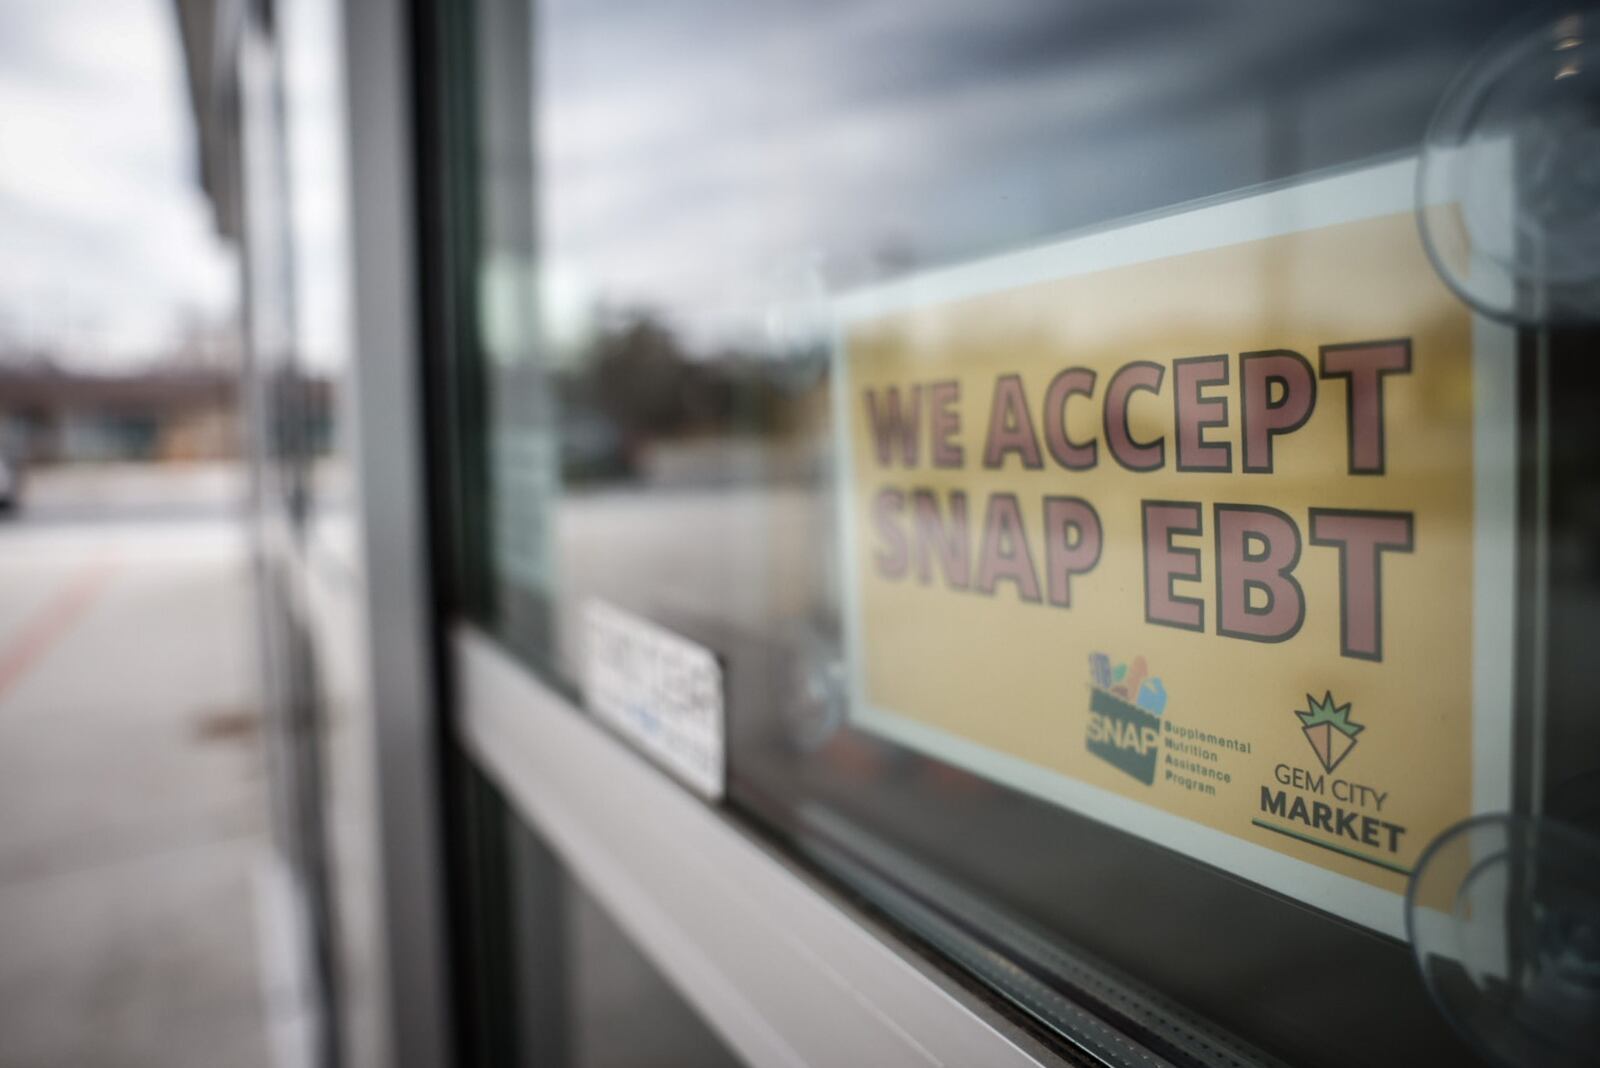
point(47, 626)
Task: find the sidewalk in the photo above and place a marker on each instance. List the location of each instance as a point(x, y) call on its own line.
point(132, 797)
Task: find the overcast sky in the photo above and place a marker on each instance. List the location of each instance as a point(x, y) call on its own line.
point(107, 242)
point(718, 162)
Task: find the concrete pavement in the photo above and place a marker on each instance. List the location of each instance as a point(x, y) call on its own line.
point(133, 811)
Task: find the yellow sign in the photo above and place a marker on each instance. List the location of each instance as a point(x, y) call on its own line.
point(1201, 527)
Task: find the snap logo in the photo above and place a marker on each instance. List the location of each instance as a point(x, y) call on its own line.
point(1125, 707)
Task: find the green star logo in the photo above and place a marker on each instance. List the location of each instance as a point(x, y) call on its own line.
point(1327, 726)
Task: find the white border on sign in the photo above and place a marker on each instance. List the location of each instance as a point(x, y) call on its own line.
point(1350, 197)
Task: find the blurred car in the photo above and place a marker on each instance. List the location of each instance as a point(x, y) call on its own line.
point(10, 485)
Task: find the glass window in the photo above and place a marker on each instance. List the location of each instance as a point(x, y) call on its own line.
point(1118, 537)
point(588, 997)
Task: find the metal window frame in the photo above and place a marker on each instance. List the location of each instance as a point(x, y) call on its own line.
point(391, 457)
point(777, 962)
point(785, 970)
point(780, 966)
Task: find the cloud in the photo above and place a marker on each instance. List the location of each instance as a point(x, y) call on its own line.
point(703, 158)
point(108, 243)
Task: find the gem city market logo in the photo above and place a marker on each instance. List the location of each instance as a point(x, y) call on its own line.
point(1337, 814)
point(1328, 729)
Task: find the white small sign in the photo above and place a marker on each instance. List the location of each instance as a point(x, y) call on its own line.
point(659, 690)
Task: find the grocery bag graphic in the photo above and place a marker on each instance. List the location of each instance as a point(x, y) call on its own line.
point(1125, 733)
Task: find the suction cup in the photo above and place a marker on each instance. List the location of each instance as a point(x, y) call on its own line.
point(1503, 914)
point(1508, 186)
